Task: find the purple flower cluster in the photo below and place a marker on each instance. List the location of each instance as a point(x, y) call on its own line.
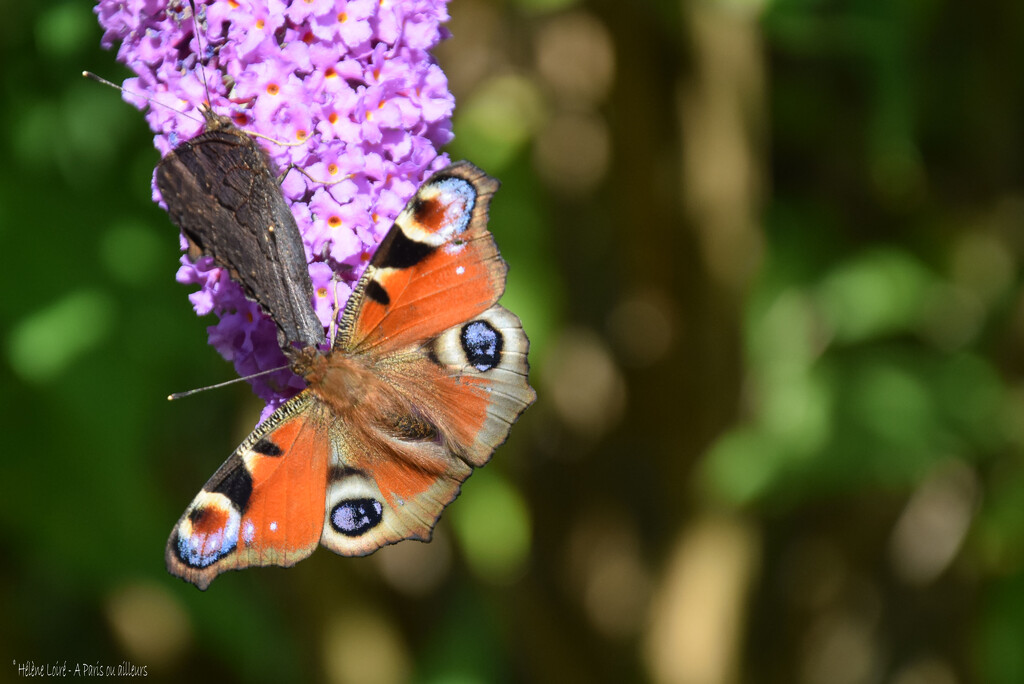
point(351, 90)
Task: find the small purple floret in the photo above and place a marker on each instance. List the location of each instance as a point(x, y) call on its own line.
point(353, 82)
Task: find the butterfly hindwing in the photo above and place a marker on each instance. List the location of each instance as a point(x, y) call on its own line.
point(264, 506)
point(220, 191)
point(391, 479)
point(484, 368)
point(394, 492)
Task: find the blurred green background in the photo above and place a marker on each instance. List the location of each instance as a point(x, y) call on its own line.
point(768, 254)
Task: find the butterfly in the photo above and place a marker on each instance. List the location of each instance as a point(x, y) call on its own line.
point(422, 382)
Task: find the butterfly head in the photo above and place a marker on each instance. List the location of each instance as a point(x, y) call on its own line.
point(308, 362)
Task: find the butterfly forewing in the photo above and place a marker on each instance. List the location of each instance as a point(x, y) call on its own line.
point(221, 192)
point(436, 267)
point(264, 505)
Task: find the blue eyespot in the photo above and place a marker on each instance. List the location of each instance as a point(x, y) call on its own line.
point(482, 345)
point(356, 516)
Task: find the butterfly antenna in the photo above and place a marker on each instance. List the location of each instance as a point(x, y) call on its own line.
point(293, 167)
point(202, 75)
point(200, 56)
point(283, 143)
point(100, 79)
point(189, 393)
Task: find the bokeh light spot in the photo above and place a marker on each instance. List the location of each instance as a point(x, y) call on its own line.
point(43, 345)
point(492, 524)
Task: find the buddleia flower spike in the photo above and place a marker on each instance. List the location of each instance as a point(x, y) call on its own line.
point(352, 90)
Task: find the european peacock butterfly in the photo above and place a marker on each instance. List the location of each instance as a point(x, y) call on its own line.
point(423, 381)
point(426, 372)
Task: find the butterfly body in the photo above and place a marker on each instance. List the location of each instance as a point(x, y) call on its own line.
point(423, 381)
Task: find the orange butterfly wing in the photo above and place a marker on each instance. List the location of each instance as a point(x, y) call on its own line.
point(264, 506)
point(438, 266)
point(451, 365)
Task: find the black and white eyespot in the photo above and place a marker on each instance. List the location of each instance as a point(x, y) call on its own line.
point(482, 344)
point(355, 507)
point(355, 517)
point(493, 340)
